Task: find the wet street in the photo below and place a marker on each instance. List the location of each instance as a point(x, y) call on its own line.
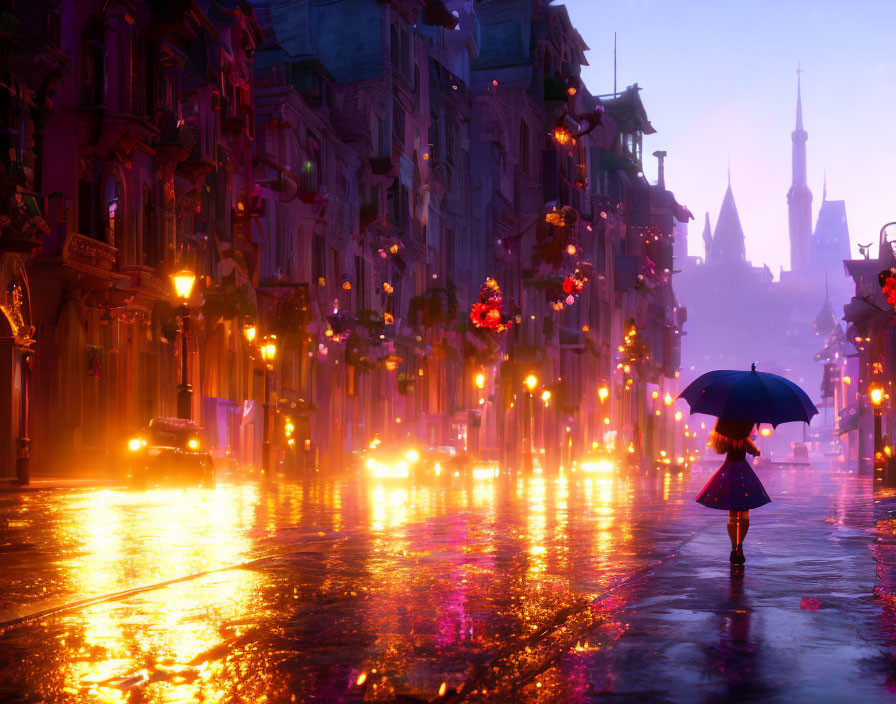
point(602, 586)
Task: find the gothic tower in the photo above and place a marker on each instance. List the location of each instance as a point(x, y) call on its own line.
point(799, 197)
point(728, 245)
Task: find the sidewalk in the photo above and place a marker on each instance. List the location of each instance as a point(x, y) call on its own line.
point(43, 483)
point(801, 622)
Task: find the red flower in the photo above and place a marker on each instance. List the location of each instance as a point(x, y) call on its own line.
point(889, 290)
point(569, 285)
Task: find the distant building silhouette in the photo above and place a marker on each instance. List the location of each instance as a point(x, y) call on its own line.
point(728, 246)
point(737, 313)
point(799, 197)
point(830, 243)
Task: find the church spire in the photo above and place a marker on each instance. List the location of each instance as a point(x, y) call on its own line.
point(799, 197)
point(728, 246)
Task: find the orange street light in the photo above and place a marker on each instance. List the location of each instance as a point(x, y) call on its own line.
point(268, 351)
point(183, 283)
point(480, 380)
point(531, 382)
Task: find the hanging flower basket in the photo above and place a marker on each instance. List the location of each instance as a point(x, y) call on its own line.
point(486, 313)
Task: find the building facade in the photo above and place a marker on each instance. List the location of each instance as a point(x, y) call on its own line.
point(341, 178)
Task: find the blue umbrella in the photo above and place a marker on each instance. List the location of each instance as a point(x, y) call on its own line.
point(755, 397)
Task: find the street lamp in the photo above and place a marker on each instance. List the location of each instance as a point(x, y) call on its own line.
point(268, 352)
point(480, 380)
point(183, 287)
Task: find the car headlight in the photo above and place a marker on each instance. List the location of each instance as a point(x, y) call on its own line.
point(193, 444)
point(412, 456)
point(135, 444)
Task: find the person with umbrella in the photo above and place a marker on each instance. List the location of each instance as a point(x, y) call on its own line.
point(740, 400)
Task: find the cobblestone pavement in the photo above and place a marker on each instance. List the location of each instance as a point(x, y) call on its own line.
point(610, 585)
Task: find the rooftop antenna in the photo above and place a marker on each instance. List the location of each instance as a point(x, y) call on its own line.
point(614, 64)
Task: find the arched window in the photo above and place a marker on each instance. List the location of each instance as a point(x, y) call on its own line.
point(394, 48)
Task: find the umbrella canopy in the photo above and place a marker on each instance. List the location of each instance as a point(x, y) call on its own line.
point(756, 397)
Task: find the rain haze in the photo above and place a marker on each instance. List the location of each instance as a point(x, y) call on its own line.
point(447, 351)
point(719, 82)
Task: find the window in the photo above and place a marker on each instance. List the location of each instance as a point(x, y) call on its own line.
point(449, 142)
point(112, 211)
point(525, 148)
point(393, 46)
point(398, 123)
point(318, 265)
point(360, 284)
point(149, 81)
point(85, 208)
point(150, 236)
point(405, 54)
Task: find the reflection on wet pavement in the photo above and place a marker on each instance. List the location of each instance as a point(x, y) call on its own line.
point(500, 589)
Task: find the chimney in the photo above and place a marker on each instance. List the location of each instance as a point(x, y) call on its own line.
point(660, 170)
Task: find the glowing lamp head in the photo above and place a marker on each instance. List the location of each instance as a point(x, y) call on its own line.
point(250, 331)
point(545, 395)
point(667, 399)
point(562, 133)
point(183, 283)
point(876, 394)
point(480, 381)
point(531, 382)
point(765, 432)
point(268, 351)
point(412, 455)
point(193, 444)
point(135, 444)
point(602, 393)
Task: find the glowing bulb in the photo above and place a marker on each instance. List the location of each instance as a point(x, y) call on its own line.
point(183, 283)
point(531, 382)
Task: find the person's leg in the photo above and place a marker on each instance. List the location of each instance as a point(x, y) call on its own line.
point(732, 528)
point(743, 525)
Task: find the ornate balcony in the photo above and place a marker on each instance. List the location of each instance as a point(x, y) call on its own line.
point(79, 250)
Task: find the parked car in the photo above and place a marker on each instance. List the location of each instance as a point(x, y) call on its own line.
point(169, 452)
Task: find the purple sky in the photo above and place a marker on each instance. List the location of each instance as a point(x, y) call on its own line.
point(719, 82)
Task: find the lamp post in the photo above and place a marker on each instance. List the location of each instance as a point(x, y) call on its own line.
point(268, 352)
point(876, 394)
point(530, 382)
point(183, 287)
